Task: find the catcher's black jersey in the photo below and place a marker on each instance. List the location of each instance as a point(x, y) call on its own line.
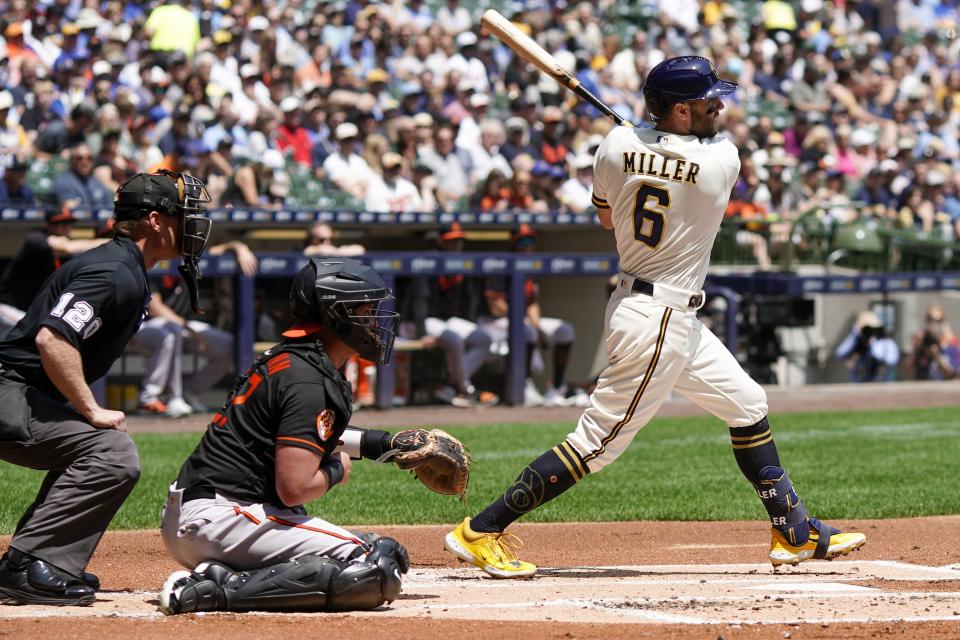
point(96, 301)
point(292, 396)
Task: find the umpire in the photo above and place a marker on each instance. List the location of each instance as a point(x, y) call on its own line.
point(76, 326)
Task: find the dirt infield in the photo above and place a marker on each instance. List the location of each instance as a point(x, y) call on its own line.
point(637, 580)
point(663, 580)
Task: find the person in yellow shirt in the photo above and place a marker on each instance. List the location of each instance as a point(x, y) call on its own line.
point(173, 27)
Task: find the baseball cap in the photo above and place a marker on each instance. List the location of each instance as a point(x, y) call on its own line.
point(101, 68)
point(452, 231)
point(249, 70)
point(289, 104)
point(552, 114)
point(64, 214)
point(378, 75)
point(258, 23)
point(479, 100)
point(346, 130)
point(466, 39)
point(69, 29)
point(582, 161)
point(222, 37)
point(13, 30)
point(523, 231)
point(391, 159)
point(272, 159)
point(6, 100)
point(422, 119)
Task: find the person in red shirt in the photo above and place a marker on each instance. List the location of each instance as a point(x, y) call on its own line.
point(291, 134)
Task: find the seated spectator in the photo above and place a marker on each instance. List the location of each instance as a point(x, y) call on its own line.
point(936, 350)
point(442, 312)
point(575, 192)
point(110, 167)
point(249, 185)
point(77, 185)
point(521, 196)
point(450, 167)
point(870, 354)
point(751, 218)
point(291, 134)
point(41, 253)
point(346, 169)
point(547, 142)
point(13, 139)
point(319, 242)
point(59, 135)
point(393, 193)
point(426, 184)
point(493, 194)
point(13, 186)
point(541, 332)
point(517, 139)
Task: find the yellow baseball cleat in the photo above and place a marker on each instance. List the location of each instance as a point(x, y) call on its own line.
point(495, 553)
point(818, 546)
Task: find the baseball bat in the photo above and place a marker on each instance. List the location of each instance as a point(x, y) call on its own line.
point(532, 52)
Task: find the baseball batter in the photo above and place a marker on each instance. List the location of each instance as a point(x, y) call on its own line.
point(281, 439)
point(662, 191)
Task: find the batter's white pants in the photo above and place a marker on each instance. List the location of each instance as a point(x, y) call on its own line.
point(656, 344)
point(245, 535)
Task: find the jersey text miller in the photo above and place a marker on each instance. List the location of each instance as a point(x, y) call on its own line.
point(667, 168)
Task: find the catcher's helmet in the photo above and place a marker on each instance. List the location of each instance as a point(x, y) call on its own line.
point(328, 291)
point(685, 78)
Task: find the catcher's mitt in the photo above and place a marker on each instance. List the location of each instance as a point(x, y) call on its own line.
point(439, 460)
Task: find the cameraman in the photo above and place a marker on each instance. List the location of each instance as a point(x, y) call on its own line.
point(935, 351)
point(870, 354)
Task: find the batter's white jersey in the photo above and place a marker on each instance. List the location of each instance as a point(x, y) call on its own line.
point(668, 194)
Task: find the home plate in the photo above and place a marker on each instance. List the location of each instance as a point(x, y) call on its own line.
point(835, 592)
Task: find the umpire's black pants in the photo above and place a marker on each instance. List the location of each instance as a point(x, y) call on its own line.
point(91, 472)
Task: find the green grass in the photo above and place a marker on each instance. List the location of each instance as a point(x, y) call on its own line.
point(844, 465)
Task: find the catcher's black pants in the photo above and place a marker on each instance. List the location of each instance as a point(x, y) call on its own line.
point(90, 473)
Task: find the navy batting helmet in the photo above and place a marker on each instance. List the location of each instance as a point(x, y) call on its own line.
point(327, 291)
point(685, 78)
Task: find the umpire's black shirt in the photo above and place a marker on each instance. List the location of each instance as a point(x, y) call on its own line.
point(96, 301)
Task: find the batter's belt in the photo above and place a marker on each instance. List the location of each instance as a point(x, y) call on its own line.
point(664, 294)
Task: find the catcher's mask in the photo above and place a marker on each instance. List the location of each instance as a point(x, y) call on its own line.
point(684, 78)
point(348, 298)
point(173, 193)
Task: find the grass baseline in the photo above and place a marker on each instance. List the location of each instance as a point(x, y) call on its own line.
point(866, 464)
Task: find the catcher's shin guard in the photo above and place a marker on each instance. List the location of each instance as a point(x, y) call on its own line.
point(310, 583)
point(787, 513)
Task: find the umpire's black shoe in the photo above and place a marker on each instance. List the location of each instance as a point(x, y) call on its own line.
point(90, 580)
point(26, 580)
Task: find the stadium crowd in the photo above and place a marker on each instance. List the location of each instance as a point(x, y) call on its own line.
point(305, 103)
point(846, 109)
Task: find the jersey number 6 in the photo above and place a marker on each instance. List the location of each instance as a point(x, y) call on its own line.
point(648, 223)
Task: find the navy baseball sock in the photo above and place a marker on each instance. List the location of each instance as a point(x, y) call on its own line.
point(757, 457)
point(545, 478)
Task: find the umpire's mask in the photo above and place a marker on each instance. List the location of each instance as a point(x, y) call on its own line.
point(174, 193)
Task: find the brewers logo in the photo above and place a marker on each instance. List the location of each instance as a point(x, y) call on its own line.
point(325, 424)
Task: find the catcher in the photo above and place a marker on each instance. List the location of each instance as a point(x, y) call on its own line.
point(281, 439)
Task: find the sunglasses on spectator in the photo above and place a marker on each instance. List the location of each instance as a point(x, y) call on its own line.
point(321, 239)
